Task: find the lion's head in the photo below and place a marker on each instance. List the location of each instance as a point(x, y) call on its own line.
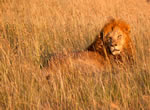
point(115, 37)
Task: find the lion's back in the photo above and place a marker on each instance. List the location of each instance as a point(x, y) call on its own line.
point(84, 59)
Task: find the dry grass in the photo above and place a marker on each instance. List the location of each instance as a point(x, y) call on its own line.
point(31, 30)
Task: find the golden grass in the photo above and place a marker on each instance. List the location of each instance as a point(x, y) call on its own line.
point(32, 30)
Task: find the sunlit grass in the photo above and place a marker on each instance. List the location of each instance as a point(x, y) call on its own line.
point(33, 30)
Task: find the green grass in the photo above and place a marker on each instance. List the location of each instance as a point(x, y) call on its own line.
point(32, 30)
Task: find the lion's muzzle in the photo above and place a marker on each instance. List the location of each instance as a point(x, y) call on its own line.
point(114, 50)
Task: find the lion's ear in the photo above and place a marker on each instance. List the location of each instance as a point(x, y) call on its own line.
point(127, 29)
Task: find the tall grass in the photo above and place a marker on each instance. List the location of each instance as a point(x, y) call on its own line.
point(32, 30)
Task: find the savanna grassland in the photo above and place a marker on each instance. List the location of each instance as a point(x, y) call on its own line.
point(32, 30)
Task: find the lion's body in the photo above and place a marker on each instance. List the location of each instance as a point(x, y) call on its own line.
point(84, 61)
point(113, 45)
point(84, 57)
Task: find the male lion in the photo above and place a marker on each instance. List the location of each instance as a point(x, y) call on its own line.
point(114, 42)
point(113, 45)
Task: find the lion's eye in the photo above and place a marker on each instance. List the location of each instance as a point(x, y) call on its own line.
point(109, 39)
point(119, 36)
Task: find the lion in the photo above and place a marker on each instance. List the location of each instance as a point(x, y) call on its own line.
point(112, 46)
point(114, 42)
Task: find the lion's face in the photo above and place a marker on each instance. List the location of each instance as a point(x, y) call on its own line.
point(115, 40)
